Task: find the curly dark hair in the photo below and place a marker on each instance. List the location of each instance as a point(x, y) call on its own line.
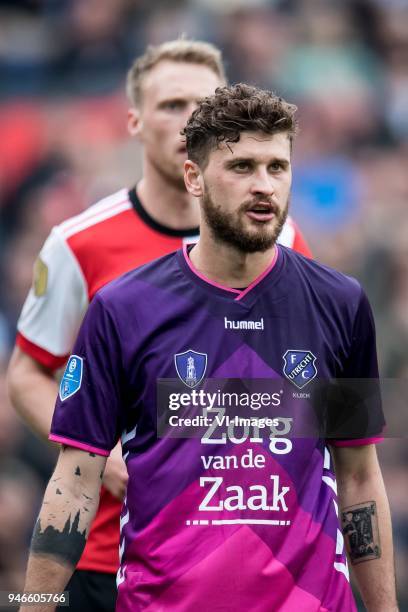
point(232, 110)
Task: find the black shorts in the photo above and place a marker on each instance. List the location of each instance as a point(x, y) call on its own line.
point(91, 592)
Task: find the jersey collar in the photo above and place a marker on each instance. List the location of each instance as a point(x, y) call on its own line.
point(247, 296)
point(158, 227)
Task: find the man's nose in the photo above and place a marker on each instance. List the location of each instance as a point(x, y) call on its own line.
point(262, 182)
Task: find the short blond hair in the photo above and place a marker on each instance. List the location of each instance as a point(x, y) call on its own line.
point(180, 50)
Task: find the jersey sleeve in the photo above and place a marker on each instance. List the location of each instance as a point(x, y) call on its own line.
point(358, 398)
point(55, 306)
point(89, 407)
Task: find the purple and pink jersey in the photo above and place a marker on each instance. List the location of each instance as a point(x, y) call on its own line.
point(227, 517)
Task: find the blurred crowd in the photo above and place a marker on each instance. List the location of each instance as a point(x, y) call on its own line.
point(64, 144)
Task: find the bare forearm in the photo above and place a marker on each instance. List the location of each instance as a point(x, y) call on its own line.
point(366, 523)
point(53, 581)
point(32, 390)
point(59, 537)
point(371, 552)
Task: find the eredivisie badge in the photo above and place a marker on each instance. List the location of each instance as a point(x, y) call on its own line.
point(72, 377)
point(40, 278)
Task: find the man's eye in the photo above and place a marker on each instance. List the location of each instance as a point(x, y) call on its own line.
point(241, 166)
point(276, 166)
point(173, 105)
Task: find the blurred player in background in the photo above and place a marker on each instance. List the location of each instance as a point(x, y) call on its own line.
point(202, 529)
point(121, 232)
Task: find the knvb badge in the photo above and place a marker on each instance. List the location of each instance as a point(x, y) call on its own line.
point(299, 367)
point(191, 367)
point(72, 377)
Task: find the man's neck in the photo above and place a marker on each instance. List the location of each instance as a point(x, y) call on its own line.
point(226, 265)
point(167, 203)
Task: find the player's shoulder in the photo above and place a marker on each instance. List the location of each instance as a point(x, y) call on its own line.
point(99, 212)
point(325, 281)
point(288, 234)
point(139, 281)
point(77, 234)
point(104, 209)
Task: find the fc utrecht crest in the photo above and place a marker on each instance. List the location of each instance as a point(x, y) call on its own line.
point(191, 367)
point(299, 367)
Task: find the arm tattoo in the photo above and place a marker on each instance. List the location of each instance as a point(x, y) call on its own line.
point(67, 544)
point(360, 530)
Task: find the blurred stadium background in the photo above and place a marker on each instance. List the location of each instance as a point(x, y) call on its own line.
point(64, 144)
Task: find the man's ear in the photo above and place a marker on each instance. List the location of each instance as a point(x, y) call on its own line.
point(193, 178)
point(135, 123)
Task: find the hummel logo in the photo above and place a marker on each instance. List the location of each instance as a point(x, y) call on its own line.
point(243, 324)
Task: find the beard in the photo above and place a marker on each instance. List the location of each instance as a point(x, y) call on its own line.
point(229, 228)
